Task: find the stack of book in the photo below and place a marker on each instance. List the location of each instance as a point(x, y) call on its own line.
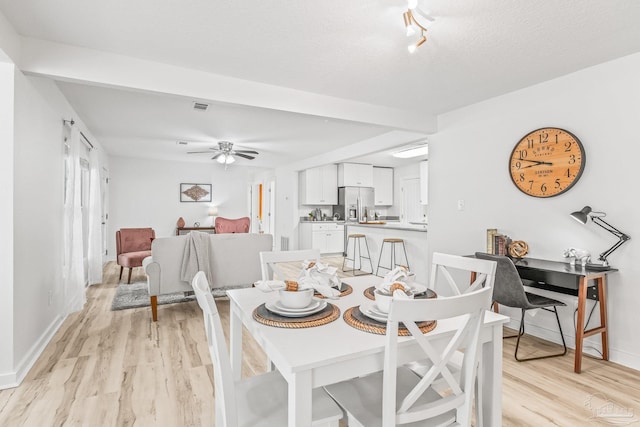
point(497, 243)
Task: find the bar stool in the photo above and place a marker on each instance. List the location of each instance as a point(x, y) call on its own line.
point(357, 245)
point(393, 242)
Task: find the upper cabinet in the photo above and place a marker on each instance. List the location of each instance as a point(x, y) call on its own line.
point(355, 175)
point(424, 182)
point(383, 186)
point(319, 186)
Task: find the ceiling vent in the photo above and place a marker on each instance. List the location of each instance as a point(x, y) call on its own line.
point(182, 142)
point(200, 106)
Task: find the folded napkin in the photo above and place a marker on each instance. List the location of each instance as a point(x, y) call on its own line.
point(397, 275)
point(314, 275)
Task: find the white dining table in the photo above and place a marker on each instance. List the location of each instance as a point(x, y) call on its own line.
point(313, 357)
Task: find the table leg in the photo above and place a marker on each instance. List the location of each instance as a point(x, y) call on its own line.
point(300, 393)
point(235, 340)
point(492, 379)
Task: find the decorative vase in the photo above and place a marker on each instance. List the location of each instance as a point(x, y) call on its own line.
point(180, 222)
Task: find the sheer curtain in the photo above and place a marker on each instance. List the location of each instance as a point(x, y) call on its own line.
point(73, 271)
point(95, 220)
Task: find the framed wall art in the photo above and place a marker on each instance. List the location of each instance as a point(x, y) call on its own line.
point(195, 192)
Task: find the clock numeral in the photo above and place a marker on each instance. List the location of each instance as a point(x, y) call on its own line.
point(544, 137)
point(543, 187)
point(568, 173)
point(529, 142)
point(530, 185)
point(567, 146)
point(518, 165)
point(523, 154)
point(572, 159)
point(557, 183)
point(556, 138)
point(521, 177)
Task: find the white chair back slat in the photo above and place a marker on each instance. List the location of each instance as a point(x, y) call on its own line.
point(269, 261)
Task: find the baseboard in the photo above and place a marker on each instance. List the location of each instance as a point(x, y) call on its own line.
point(591, 346)
point(14, 379)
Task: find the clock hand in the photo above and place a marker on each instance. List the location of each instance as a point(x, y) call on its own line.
point(537, 162)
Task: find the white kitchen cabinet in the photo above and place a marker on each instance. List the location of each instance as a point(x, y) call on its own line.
point(424, 182)
point(355, 175)
point(383, 186)
point(327, 237)
point(319, 186)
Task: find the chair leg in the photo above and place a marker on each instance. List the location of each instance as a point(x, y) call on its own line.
point(366, 245)
point(154, 307)
point(120, 278)
point(379, 258)
point(564, 345)
point(130, 270)
point(405, 256)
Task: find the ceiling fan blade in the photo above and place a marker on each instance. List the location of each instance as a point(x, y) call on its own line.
point(216, 156)
point(198, 152)
point(244, 155)
point(246, 151)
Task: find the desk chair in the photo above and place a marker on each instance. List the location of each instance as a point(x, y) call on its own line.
point(397, 395)
point(509, 290)
point(258, 401)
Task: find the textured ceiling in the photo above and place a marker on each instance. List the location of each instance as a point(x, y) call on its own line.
point(354, 50)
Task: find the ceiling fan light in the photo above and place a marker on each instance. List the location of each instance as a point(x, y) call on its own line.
point(412, 4)
point(230, 159)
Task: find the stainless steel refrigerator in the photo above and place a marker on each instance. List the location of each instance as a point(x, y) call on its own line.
point(353, 202)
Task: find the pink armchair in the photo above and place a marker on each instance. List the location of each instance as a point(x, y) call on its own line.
point(225, 225)
point(132, 246)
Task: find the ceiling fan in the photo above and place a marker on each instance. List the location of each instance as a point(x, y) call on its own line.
point(224, 153)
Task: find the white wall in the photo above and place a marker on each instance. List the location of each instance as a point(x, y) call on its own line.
point(146, 193)
point(34, 281)
point(6, 218)
point(469, 157)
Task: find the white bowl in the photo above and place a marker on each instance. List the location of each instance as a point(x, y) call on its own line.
point(383, 299)
point(296, 299)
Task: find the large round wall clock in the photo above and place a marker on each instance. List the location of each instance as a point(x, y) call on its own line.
point(547, 162)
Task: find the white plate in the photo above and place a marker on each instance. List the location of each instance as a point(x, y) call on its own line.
point(314, 307)
point(369, 309)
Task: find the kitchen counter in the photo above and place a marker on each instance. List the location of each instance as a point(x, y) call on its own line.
point(329, 221)
point(392, 226)
point(415, 242)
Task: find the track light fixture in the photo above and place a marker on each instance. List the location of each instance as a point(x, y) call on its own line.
point(415, 19)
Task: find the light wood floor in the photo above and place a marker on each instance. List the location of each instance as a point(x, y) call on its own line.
point(117, 368)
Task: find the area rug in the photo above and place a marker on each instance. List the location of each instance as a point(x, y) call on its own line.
point(137, 295)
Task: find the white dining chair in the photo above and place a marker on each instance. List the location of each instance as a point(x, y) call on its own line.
point(258, 401)
point(397, 395)
point(455, 271)
point(270, 260)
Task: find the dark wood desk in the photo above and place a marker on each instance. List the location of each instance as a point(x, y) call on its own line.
point(574, 280)
point(188, 229)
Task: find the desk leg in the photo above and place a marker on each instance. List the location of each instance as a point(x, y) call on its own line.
point(602, 296)
point(492, 379)
point(582, 303)
point(300, 393)
point(235, 341)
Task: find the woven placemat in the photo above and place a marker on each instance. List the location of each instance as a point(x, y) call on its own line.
point(354, 317)
point(427, 294)
point(346, 290)
point(324, 316)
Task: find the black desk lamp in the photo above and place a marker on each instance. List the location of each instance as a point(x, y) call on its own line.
point(583, 216)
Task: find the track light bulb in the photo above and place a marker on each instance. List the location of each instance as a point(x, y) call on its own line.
point(413, 4)
point(410, 31)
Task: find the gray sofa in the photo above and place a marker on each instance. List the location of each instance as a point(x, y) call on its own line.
point(234, 261)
